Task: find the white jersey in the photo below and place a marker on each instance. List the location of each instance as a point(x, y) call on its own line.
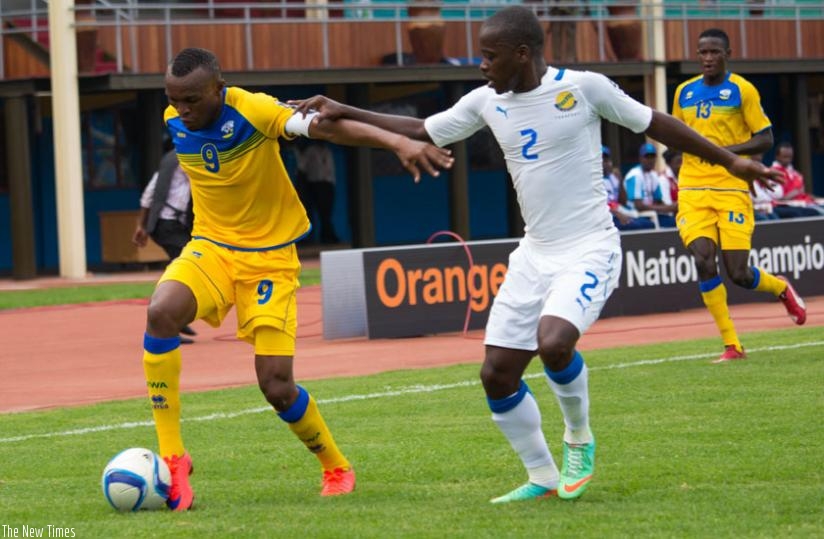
point(551, 139)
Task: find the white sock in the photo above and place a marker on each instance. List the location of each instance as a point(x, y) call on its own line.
point(573, 399)
point(522, 427)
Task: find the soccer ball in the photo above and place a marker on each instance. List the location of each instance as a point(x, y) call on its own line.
point(136, 478)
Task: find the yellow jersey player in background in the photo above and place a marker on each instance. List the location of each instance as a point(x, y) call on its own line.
point(242, 253)
point(714, 207)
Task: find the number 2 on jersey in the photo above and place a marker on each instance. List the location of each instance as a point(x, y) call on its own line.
point(533, 137)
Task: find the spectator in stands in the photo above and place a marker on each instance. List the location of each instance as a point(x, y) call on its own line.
point(562, 28)
point(672, 160)
point(796, 202)
point(166, 214)
point(763, 200)
point(645, 190)
point(316, 168)
point(427, 35)
point(624, 217)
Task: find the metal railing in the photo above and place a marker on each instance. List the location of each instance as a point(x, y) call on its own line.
point(125, 17)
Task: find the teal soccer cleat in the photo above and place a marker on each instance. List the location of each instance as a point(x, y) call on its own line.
point(529, 491)
point(579, 463)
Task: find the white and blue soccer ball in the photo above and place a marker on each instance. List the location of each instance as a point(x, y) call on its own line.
point(136, 478)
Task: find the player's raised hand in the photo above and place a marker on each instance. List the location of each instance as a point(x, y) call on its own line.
point(415, 155)
point(755, 171)
point(327, 109)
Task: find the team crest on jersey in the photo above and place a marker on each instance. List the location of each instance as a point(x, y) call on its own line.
point(725, 93)
point(689, 94)
point(181, 134)
point(228, 129)
point(565, 101)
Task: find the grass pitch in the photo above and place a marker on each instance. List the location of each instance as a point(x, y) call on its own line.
point(685, 449)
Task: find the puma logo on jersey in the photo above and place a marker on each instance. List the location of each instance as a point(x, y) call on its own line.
point(502, 110)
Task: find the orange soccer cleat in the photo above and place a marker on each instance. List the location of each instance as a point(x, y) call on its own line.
point(181, 496)
point(731, 353)
point(338, 481)
point(795, 306)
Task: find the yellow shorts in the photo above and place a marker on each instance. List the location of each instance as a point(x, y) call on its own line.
point(725, 217)
point(261, 284)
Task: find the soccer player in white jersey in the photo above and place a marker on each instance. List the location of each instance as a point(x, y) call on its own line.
point(548, 123)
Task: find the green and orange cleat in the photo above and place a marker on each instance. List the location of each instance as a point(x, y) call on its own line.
point(529, 491)
point(576, 473)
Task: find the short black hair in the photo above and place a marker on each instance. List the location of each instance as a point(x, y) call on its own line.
point(518, 25)
point(718, 34)
point(192, 58)
point(784, 144)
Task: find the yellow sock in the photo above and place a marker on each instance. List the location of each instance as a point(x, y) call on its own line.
point(767, 282)
point(304, 419)
point(161, 363)
point(714, 294)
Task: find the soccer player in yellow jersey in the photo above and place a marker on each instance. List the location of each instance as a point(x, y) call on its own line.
point(242, 253)
point(714, 207)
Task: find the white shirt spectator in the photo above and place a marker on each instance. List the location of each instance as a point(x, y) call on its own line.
point(645, 186)
point(178, 200)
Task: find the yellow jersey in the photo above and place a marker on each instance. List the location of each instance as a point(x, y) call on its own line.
point(727, 113)
point(241, 193)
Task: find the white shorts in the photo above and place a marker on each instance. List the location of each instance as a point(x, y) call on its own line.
point(573, 284)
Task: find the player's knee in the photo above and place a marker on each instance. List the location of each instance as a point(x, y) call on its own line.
point(497, 381)
point(706, 267)
point(160, 322)
point(278, 392)
point(555, 352)
point(741, 277)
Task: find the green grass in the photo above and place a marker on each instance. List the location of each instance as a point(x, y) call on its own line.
point(17, 299)
point(685, 449)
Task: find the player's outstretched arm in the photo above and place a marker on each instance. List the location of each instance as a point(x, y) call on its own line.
point(413, 154)
point(676, 134)
point(330, 109)
point(759, 143)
